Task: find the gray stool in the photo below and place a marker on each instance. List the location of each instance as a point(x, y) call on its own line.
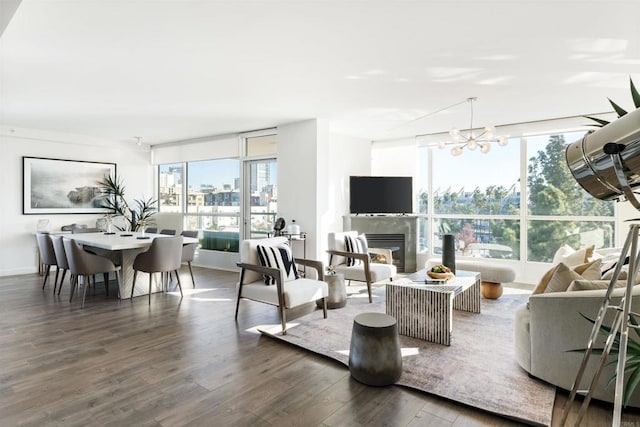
point(374, 354)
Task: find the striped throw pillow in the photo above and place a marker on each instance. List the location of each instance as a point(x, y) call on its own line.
point(279, 257)
point(353, 244)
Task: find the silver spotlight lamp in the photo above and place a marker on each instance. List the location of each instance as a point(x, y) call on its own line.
point(606, 163)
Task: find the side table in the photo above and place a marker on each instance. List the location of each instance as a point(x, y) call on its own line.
point(337, 291)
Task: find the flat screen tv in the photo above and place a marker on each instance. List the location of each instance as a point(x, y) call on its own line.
point(381, 194)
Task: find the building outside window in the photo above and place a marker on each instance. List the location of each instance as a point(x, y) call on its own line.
point(170, 179)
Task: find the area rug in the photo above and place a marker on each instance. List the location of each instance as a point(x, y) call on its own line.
point(478, 369)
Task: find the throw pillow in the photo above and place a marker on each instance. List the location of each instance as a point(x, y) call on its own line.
point(279, 257)
point(590, 270)
point(561, 279)
point(571, 257)
point(365, 245)
point(353, 245)
point(542, 285)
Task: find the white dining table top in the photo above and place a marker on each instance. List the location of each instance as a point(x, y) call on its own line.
point(121, 240)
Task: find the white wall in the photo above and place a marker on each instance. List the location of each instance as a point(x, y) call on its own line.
point(349, 156)
point(17, 242)
point(302, 159)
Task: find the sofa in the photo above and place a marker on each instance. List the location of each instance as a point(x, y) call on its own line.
point(550, 325)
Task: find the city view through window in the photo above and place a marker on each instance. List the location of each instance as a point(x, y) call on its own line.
point(478, 198)
point(209, 195)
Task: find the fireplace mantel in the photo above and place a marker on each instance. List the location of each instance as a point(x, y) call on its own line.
point(389, 224)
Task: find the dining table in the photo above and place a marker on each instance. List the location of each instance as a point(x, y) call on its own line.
point(122, 248)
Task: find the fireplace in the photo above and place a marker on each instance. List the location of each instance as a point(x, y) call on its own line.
point(393, 242)
point(401, 230)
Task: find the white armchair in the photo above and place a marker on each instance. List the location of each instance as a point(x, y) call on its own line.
point(367, 271)
point(284, 294)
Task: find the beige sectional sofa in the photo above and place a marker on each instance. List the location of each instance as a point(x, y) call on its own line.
point(551, 325)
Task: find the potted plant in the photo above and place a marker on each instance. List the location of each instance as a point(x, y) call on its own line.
point(134, 217)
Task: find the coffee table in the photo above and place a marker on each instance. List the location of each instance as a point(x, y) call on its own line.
point(425, 311)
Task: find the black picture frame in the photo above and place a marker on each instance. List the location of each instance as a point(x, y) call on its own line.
point(60, 186)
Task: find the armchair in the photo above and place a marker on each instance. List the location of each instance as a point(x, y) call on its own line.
point(367, 271)
point(285, 293)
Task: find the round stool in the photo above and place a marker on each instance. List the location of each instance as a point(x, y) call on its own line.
point(491, 290)
point(374, 354)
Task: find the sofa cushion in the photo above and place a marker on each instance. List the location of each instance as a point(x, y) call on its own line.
point(378, 272)
point(280, 257)
point(296, 292)
point(590, 285)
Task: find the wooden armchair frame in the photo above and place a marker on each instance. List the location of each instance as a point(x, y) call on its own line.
point(277, 275)
point(366, 259)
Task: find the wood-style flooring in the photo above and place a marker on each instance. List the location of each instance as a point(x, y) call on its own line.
point(187, 362)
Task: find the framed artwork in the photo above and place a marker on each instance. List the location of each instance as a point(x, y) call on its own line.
point(57, 186)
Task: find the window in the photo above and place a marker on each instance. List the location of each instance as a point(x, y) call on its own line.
point(559, 210)
point(478, 203)
point(213, 202)
point(477, 197)
point(170, 187)
point(213, 198)
point(263, 194)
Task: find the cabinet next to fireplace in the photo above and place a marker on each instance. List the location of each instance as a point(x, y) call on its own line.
point(396, 232)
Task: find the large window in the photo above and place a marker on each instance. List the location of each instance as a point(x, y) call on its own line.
point(559, 210)
point(213, 202)
point(515, 199)
point(478, 202)
point(224, 197)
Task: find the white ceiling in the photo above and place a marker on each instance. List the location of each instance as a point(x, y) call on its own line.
point(175, 70)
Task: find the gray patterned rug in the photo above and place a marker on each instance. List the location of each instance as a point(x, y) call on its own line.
point(478, 369)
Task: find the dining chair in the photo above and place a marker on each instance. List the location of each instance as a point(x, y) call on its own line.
point(168, 232)
point(164, 256)
point(151, 230)
point(189, 251)
point(79, 230)
point(83, 264)
point(47, 257)
point(61, 259)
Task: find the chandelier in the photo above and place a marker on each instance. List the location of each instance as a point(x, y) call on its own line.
point(471, 141)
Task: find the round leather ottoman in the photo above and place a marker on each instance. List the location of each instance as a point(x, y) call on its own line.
point(374, 353)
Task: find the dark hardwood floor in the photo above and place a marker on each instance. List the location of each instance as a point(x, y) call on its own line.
point(187, 362)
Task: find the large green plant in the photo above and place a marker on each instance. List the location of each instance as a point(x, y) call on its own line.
point(632, 366)
point(618, 109)
point(136, 217)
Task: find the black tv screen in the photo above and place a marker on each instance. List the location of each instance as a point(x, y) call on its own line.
point(381, 194)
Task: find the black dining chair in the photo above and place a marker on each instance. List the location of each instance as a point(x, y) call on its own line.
point(168, 232)
point(151, 230)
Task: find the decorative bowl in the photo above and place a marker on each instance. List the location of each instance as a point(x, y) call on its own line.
point(440, 276)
